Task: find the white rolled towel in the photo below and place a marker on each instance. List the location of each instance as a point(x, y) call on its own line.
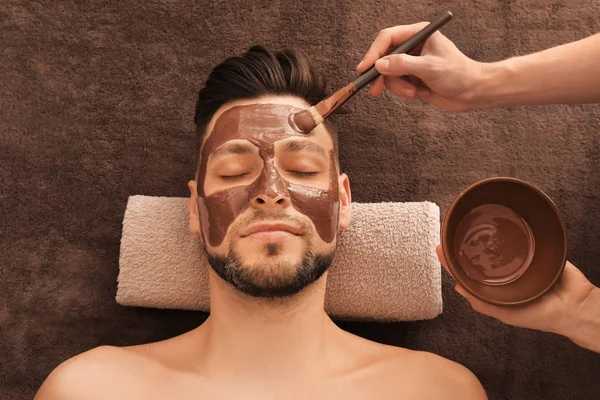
point(385, 268)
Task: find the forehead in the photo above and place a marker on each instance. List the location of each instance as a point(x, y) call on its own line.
point(262, 125)
point(260, 122)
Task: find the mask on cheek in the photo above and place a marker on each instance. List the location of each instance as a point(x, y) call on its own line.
point(262, 125)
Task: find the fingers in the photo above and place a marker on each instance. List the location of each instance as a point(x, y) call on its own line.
point(573, 271)
point(459, 289)
point(404, 65)
point(476, 304)
point(502, 314)
point(404, 88)
point(377, 86)
point(400, 87)
point(389, 37)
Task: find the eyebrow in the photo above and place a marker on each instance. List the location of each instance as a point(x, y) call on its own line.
point(295, 146)
point(227, 149)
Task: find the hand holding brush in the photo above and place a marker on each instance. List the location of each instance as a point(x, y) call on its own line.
point(306, 120)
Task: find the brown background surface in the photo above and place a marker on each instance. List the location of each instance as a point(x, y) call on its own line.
point(97, 102)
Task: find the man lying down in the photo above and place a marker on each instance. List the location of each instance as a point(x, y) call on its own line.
point(267, 202)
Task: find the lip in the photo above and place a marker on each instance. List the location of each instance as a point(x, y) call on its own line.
point(279, 227)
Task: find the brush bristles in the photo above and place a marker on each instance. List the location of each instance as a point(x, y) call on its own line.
point(316, 116)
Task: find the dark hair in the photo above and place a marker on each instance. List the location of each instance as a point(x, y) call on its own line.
point(256, 73)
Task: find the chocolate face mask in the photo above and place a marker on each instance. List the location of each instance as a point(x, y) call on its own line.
point(262, 125)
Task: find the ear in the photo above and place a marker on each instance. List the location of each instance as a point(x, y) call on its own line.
point(194, 219)
point(345, 201)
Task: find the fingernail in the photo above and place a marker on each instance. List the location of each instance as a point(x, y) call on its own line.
point(383, 65)
point(407, 92)
point(360, 64)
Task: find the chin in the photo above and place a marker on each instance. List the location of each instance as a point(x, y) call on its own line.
point(253, 252)
point(271, 270)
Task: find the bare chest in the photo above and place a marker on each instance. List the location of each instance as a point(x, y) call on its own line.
point(185, 387)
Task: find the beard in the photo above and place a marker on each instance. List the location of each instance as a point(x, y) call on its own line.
point(271, 277)
point(260, 281)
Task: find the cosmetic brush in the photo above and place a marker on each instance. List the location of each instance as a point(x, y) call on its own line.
point(306, 120)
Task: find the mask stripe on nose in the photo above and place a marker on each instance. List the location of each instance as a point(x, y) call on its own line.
point(270, 182)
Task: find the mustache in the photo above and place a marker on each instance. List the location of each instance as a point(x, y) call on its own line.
point(279, 216)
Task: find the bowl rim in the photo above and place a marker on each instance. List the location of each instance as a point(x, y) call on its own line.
point(454, 268)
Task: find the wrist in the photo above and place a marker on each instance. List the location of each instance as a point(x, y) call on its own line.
point(492, 85)
point(584, 322)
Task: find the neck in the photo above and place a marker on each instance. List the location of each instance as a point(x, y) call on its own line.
point(266, 337)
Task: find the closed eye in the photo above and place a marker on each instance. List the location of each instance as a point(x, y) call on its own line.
point(303, 174)
point(232, 177)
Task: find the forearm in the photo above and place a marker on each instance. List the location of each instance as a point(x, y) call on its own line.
point(566, 74)
point(585, 327)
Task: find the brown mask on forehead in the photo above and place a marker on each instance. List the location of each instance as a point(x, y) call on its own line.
point(262, 125)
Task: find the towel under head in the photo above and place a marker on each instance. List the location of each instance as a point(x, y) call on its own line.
point(385, 268)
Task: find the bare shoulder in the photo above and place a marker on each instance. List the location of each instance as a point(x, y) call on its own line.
point(397, 372)
point(94, 374)
point(442, 378)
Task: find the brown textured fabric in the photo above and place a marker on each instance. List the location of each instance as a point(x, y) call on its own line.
point(97, 102)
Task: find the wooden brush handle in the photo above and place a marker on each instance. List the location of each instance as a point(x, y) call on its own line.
point(369, 76)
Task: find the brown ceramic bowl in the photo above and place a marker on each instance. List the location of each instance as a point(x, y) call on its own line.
point(464, 248)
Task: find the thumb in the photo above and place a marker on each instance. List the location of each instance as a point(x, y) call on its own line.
point(404, 64)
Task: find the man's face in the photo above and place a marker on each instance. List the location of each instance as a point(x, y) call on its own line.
point(268, 199)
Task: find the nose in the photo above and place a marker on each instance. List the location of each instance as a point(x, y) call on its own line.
point(269, 191)
point(264, 201)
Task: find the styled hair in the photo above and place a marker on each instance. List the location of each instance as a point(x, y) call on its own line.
point(256, 73)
